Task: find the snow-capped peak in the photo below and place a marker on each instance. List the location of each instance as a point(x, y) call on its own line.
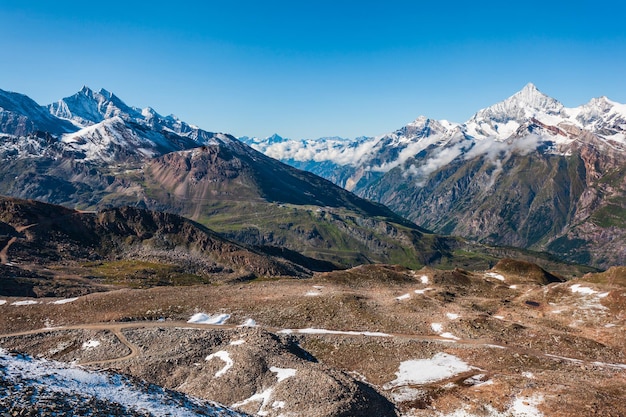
point(504, 118)
point(88, 107)
point(525, 104)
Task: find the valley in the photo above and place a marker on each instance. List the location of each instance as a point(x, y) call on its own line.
point(149, 267)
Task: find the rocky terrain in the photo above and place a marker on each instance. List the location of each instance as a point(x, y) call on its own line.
point(49, 250)
point(373, 340)
point(184, 268)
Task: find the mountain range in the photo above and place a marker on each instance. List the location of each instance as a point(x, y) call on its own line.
point(526, 172)
point(91, 151)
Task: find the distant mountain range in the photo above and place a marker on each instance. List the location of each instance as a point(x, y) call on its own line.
point(526, 172)
point(91, 151)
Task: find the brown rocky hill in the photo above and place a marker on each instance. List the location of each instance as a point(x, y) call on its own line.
point(43, 244)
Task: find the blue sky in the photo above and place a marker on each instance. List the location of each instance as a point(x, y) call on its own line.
point(306, 69)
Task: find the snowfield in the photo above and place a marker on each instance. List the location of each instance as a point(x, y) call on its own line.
point(76, 384)
point(424, 371)
point(203, 318)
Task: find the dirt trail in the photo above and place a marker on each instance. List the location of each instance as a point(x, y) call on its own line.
point(4, 258)
point(116, 329)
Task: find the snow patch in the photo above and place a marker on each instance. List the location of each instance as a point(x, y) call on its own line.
point(249, 323)
point(283, 373)
point(312, 293)
point(424, 279)
point(203, 318)
point(424, 371)
point(527, 406)
point(3, 302)
point(91, 344)
point(64, 301)
point(403, 297)
point(423, 291)
point(577, 288)
point(24, 303)
point(225, 357)
point(54, 377)
point(237, 342)
point(437, 327)
point(494, 275)
point(278, 404)
point(338, 332)
point(452, 316)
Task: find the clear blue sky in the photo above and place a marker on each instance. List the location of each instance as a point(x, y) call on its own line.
point(306, 69)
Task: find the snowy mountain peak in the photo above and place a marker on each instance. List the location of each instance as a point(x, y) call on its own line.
point(526, 103)
point(88, 107)
point(420, 121)
point(531, 96)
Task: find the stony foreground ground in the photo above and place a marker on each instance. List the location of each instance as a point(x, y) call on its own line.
point(376, 340)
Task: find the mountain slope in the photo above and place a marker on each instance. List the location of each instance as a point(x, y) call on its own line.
point(45, 244)
point(60, 389)
point(527, 172)
point(20, 115)
point(121, 156)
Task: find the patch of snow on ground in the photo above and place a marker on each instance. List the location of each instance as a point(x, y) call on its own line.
point(249, 323)
point(404, 297)
point(237, 342)
point(24, 303)
point(452, 316)
point(499, 317)
point(424, 279)
point(577, 288)
point(64, 301)
point(3, 302)
point(338, 332)
point(603, 295)
point(437, 327)
point(283, 373)
point(528, 375)
point(449, 336)
point(312, 293)
point(91, 344)
point(225, 357)
point(278, 404)
point(494, 275)
point(50, 376)
point(513, 287)
point(474, 380)
point(424, 371)
point(527, 406)
point(203, 318)
point(422, 291)
point(520, 407)
point(264, 397)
